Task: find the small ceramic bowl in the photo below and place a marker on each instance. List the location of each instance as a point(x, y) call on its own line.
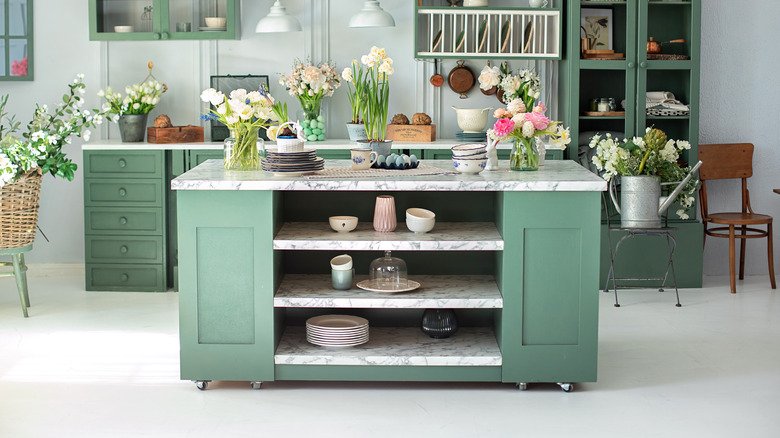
point(465, 150)
point(216, 21)
point(419, 220)
point(123, 29)
point(343, 224)
point(341, 263)
point(468, 165)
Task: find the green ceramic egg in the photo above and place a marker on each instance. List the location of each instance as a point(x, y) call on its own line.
point(320, 118)
point(313, 123)
point(312, 137)
point(316, 131)
point(321, 137)
point(306, 131)
point(321, 125)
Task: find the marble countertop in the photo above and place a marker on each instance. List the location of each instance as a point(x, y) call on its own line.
point(217, 145)
point(564, 175)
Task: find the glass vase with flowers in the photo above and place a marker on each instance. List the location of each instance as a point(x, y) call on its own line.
point(310, 84)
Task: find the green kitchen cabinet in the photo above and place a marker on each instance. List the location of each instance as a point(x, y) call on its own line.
point(139, 20)
point(124, 220)
point(632, 24)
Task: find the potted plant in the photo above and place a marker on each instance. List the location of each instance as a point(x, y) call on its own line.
point(133, 109)
point(376, 85)
point(646, 163)
point(353, 75)
point(39, 150)
point(243, 113)
point(309, 84)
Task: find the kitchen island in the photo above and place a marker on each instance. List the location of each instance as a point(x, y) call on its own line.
point(516, 254)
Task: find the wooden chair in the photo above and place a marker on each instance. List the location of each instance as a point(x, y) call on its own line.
point(732, 161)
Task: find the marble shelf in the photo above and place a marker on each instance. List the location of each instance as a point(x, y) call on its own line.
point(395, 346)
point(445, 236)
point(436, 291)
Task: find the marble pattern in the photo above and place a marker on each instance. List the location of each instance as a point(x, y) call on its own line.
point(395, 346)
point(556, 175)
point(435, 292)
point(445, 236)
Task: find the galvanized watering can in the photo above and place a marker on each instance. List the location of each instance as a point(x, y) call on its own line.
point(641, 200)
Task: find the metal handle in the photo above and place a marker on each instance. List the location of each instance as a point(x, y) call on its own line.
point(122, 162)
point(123, 249)
point(123, 220)
point(613, 194)
point(122, 191)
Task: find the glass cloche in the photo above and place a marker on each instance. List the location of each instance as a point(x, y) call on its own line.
point(388, 273)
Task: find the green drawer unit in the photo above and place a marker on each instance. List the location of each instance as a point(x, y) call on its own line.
point(114, 192)
point(196, 157)
point(124, 220)
point(123, 164)
point(116, 220)
point(125, 277)
point(124, 249)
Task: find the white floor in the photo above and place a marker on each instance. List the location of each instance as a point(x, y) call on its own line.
point(89, 364)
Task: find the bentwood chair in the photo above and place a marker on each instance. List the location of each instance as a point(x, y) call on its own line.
point(733, 161)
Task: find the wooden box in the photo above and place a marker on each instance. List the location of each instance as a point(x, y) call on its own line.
point(175, 134)
point(424, 133)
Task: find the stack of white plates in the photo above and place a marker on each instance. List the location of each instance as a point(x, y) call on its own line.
point(337, 330)
point(292, 163)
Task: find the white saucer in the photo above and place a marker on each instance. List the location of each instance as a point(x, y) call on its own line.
point(367, 285)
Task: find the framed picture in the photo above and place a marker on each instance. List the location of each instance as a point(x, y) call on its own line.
point(597, 24)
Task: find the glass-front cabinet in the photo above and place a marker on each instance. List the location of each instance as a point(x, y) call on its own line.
point(128, 20)
point(16, 40)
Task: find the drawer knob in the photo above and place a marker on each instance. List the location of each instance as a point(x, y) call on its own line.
point(123, 220)
point(122, 162)
point(123, 249)
point(124, 277)
point(122, 192)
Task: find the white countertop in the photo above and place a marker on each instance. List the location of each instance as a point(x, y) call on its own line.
point(217, 145)
point(556, 175)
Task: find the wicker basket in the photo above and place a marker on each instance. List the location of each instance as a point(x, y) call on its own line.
point(19, 210)
point(287, 145)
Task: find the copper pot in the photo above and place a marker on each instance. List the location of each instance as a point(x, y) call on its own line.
point(654, 47)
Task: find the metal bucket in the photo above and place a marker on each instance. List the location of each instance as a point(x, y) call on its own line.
point(639, 200)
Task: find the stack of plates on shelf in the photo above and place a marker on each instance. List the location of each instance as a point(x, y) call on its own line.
point(292, 163)
point(337, 330)
point(471, 136)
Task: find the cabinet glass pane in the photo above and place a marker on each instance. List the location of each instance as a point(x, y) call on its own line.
point(17, 57)
point(125, 16)
point(668, 21)
point(17, 17)
point(197, 15)
point(3, 71)
point(2, 17)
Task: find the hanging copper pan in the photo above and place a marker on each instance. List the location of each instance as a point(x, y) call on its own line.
point(461, 79)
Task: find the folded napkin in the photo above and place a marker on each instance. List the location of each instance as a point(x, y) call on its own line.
point(664, 100)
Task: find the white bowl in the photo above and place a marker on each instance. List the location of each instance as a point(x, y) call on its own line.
point(343, 224)
point(469, 165)
point(123, 29)
point(420, 220)
point(472, 119)
point(216, 21)
point(341, 263)
point(468, 149)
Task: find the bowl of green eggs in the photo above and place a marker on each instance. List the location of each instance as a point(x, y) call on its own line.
point(396, 162)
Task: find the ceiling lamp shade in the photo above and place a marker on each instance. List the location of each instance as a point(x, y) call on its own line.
point(278, 21)
point(372, 15)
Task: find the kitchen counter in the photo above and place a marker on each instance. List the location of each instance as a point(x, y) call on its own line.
point(515, 253)
point(553, 176)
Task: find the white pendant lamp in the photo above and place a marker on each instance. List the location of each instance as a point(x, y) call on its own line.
point(372, 15)
point(278, 21)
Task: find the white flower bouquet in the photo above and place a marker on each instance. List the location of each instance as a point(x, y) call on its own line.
point(138, 99)
point(310, 84)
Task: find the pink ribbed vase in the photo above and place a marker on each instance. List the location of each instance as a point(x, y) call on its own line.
point(384, 214)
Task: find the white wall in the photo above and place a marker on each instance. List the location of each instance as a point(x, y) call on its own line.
point(739, 93)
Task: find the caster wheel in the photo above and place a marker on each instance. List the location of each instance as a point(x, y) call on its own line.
point(202, 384)
point(256, 385)
point(522, 386)
point(566, 387)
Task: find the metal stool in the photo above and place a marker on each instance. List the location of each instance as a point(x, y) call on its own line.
point(19, 271)
point(671, 245)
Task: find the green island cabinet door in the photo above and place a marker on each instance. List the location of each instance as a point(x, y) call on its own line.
point(627, 79)
point(123, 20)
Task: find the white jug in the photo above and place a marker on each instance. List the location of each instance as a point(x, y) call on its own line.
point(537, 3)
